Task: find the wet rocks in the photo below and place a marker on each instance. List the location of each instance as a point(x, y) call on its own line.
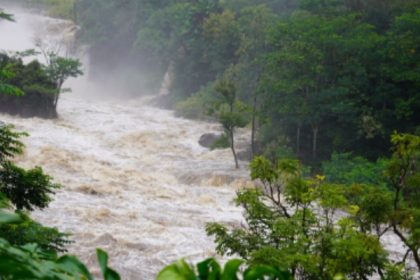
point(244, 155)
point(208, 139)
point(105, 239)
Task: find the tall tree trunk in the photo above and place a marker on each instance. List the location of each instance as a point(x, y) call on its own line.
point(232, 146)
point(298, 139)
point(314, 140)
point(416, 258)
point(57, 94)
point(414, 249)
point(254, 112)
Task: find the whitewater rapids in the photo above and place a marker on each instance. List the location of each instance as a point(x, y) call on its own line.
point(135, 180)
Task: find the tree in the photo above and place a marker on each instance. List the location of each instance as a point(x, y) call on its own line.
point(315, 69)
point(348, 169)
point(230, 115)
point(25, 190)
point(254, 22)
point(404, 178)
point(321, 76)
point(59, 69)
point(401, 70)
point(221, 33)
point(298, 223)
point(36, 89)
point(5, 74)
point(6, 88)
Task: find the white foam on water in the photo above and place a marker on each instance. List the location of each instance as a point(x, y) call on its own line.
point(122, 164)
point(135, 180)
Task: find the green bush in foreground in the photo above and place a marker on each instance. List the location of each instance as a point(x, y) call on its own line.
point(322, 230)
point(25, 190)
point(32, 262)
point(211, 270)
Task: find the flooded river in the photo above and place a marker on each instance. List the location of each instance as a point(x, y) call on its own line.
point(135, 180)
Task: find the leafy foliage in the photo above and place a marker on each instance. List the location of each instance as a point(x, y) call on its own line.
point(28, 231)
point(221, 143)
point(25, 190)
point(323, 230)
point(320, 76)
point(29, 91)
point(31, 262)
point(34, 89)
point(59, 69)
point(200, 105)
point(404, 177)
point(5, 16)
point(10, 145)
point(345, 169)
point(210, 269)
point(232, 116)
point(107, 272)
point(6, 74)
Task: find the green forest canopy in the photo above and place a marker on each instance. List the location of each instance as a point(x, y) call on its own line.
point(322, 76)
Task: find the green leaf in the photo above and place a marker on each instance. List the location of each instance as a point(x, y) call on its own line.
point(7, 217)
point(108, 273)
point(261, 272)
point(203, 269)
point(102, 260)
point(72, 265)
point(177, 271)
point(231, 270)
point(10, 90)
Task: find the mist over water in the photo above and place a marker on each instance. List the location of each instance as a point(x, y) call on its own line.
point(135, 180)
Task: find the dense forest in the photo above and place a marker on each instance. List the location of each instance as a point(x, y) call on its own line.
point(317, 76)
point(312, 77)
point(328, 88)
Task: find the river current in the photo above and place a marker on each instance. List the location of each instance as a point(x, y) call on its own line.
point(135, 180)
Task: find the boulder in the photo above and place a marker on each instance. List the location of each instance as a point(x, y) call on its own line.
point(207, 140)
point(244, 155)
